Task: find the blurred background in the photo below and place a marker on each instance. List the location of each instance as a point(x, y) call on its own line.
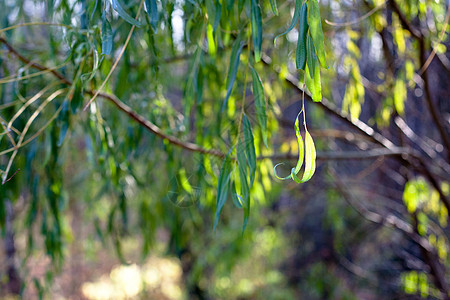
point(118, 200)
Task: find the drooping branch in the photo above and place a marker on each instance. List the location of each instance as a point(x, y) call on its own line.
point(390, 151)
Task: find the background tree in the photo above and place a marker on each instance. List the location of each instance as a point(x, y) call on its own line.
point(156, 125)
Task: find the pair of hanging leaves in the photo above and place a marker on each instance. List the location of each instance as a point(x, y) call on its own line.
point(246, 159)
point(310, 53)
point(306, 152)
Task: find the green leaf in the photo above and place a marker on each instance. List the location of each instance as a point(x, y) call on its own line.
point(152, 12)
point(256, 29)
point(245, 189)
point(233, 67)
point(310, 160)
point(106, 35)
point(214, 10)
point(295, 18)
point(223, 186)
point(315, 27)
point(123, 14)
point(250, 148)
point(301, 150)
point(302, 37)
point(237, 200)
point(311, 56)
point(314, 85)
point(260, 104)
point(273, 4)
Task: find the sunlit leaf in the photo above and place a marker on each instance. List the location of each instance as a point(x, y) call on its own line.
point(314, 85)
point(315, 27)
point(310, 160)
point(301, 150)
point(260, 104)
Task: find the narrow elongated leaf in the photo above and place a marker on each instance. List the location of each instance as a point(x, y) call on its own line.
point(301, 151)
point(245, 189)
point(233, 67)
point(310, 160)
point(311, 56)
point(249, 148)
point(302, 37)
point(314, 84)
point(298, 4)
point(152, 11)
point(106, 35)
point(256, 29)
point(273, 4)
point(237, 200)
point(123, 14)
point(260, 104)
point(223, 187)
point(315, 27)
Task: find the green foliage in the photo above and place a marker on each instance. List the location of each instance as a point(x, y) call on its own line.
point(174, 133)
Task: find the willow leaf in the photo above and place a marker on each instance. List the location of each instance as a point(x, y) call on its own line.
point(152, 11)
point(301, 150)
point(245, 189)
point(302, 34)
point(314, 84)
point(273, 4)
point(294, 22)
point(310, 158)
point(223, 187)
point(256, 29)
point(106, 35)
point(237, 200)
point(315, 27)
point(260, 104)
point(311, 56)
point(123, 14)
point(233, 67)
point(249, 148)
